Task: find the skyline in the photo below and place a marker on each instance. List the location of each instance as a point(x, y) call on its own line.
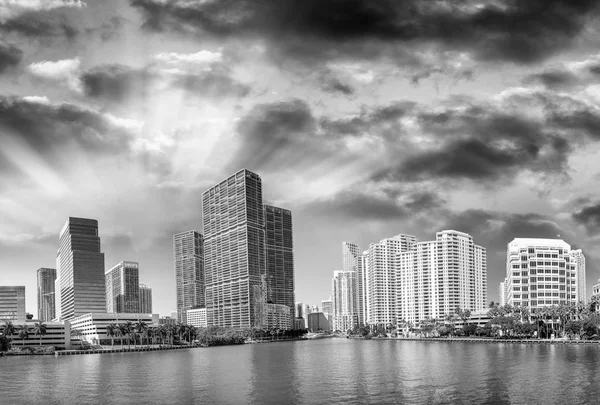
point(368, 121)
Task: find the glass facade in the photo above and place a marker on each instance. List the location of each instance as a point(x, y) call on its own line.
point(188, 256)
point(46, 279)
point(80, 269)
point(123, 288)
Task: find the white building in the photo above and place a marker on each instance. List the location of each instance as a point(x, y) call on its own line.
point(543, 272)
point(502, 293)
point(92, 326)
point(58, 334)
point(363, 288)
point(433, 278)
point(381, 275)
point(596, 288)
point(343, 292)
point(197, 317)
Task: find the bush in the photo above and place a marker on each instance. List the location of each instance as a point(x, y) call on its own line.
point(45, 350)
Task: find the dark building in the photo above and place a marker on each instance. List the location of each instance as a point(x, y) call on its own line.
point(46, 298)
point(188, 256)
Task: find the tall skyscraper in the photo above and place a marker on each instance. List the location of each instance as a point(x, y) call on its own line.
point(543, 272)
point(327, 306)
point(188, 256)
point(145, 299)
point(363, 288)
point(502, 293)
point(123, 288)
point(436, 277)
point(46, 279)
point(80, 269)
point(235, 262)
point(382, 277)
point(343, 290)
point(352, 261)
point(12, 303)
point(279, 257)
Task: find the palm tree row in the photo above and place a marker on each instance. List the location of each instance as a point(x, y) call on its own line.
point(161, 333)
point(23, 331)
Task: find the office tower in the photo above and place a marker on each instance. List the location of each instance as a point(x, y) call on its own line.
point(306, 311)
point(363, 288)
point(502, 293)
point(145, 299)
point(543, 272)
point(578, 258)
point(596, 288)
point(123, 288)
point(299, 310)
point(46, 279)
point(350, 256)
point(233, 219)
point(188, 257)
point(12, 303)
point(343, 293)
point(80, 269)
point(381, 275)
point(352, 261)
point(327, 306)
point(436, 277)
point(279, 257)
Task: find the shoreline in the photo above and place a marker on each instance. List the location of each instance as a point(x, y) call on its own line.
point(491, 340)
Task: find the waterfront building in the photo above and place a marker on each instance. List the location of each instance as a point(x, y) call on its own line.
point(363, 289)
point(352, 261)
point(343, 287)
point(58, 334)
point(299, 310)
point(278, 316)
point(12, 304)
point(502, 293)
point(46, 279)
point(436, 277)
point(543, 272)
point(197, 317)
point(307, 310)
point(145, 299)
point(596, 288)
point(123, 288)
point(318, 322)
point(382, 286)
point(279, 251)
point(327, 306)
point(91, 327)
point(299, 324)
point(477, 318)
point(188, 257)
point(80, 270)
point(167, 320)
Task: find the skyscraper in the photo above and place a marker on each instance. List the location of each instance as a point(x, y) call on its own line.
point(123, 288)
point(46, 302)
point(145, 299)
point(343, 290)
point(235, 264)
point(502, 293)
point(382, 277)
point(12, 303)
point(352, 261)
point(80, 269)
point(543, 272)
point(279, 257)
point(188, 256)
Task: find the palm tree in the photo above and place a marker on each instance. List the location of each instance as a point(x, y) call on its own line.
point(161, 332)
point(118, 333)
point(23, 333)
point(111, 331)
point(8, 329)
point(141, 327)
point(127, 329)
point(39, 329)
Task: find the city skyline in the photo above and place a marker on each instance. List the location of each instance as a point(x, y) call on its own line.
point(367, 122)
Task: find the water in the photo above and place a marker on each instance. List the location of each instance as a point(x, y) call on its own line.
point(326, 371)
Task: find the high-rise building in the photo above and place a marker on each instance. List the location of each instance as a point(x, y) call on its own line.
point(327, 306)
point(188, 257)
point(46, 279)
point(436, 277)
point(596, 288)
point(502, 293)
point(145, 299)
point(12, 303)
point(343, 293)
point(352, 261)
point(80, 269)
point(363, 288)
point(123, 288)
point(299, 310)
point(543, 272)
point(234, 238)
point(279, 257)
point(381, 274)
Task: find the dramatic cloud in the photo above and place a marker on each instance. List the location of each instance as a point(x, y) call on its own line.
point(10, 9)
point(589, 217)
point(10, 56)
point(41, 27)
point(64, 71)
point(522, 32)
point(116, 83)
point(567, 75)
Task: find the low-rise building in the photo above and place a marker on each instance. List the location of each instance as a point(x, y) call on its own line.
point(92, 327)
point(58, 334)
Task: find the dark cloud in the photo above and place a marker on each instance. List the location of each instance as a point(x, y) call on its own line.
point(553, 79)
point(109, 30)
point(116, 83)
point(506, 30)
point(40, 26)
point(589, 217)
point(10, 56)
point(211, 84)
point(48, 128)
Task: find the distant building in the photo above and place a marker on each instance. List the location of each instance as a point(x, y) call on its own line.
point(299, 310)
point(343, 287)
point(123, 288)
point(502, 293)
point(317, 321)
point(12, 303)
point(543, 272)
point(327, 306)
point(46, 279)
point(596, 288)
point(80, 270)
point(197, 317)
point(299, 324)
point(188, 256)
point(92, 327)
point(145, 299)
point(167, 320)
point(307, 310)
point(278, 316)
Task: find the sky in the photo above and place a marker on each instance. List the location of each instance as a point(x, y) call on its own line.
point(365, 119)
